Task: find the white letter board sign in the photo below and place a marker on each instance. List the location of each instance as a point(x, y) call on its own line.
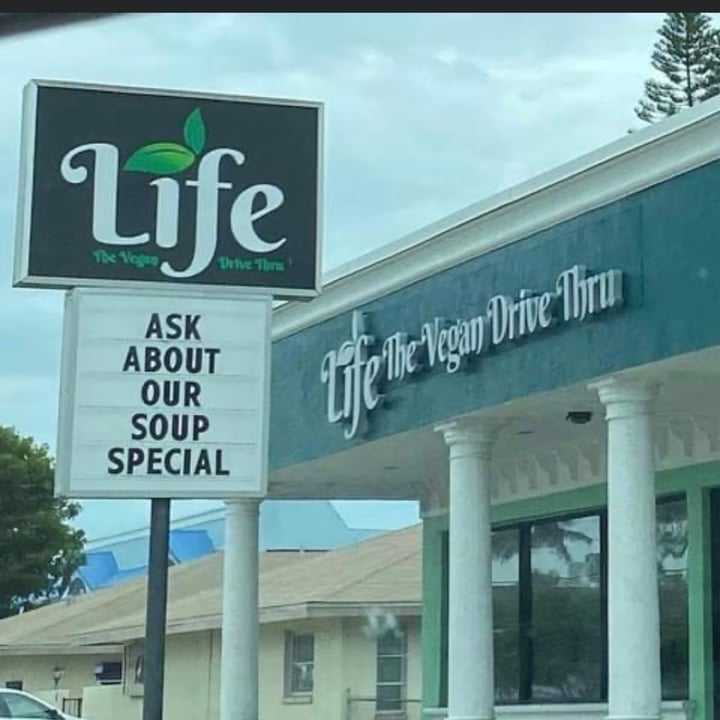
point(164, 396)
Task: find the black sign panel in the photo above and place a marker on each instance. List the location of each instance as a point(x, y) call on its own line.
point(125, 186)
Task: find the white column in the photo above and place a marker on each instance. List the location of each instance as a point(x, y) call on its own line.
point(471, 686)
point(240, 623)
point(633, 601)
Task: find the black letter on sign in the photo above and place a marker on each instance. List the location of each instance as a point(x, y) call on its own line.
point(202, 466)
point(212, 354)
point(136, 457)
point(200, 425)
point(139, 431)
point(150, 392)
point(132, 361)
point(154, 328)
point(171, 469)
point(155, 458)
point(191, 331)
point(174, 322)
point(153, 361)
point(218, 463)
point(192, 393)
point(115, 457)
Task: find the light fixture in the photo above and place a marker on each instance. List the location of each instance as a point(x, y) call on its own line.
point(579, 417)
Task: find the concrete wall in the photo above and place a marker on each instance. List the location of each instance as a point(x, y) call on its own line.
point(344, 665)
point(191, 690)
point(360, 670)
point(109, 702)
point(36, 671)
point(328, 696)
point(191, 683)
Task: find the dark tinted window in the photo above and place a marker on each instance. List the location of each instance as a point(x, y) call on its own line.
point(672, 537)
point(506, 619)
point(549, 608)
point(566, 610)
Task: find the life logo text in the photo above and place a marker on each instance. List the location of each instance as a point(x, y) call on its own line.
point(160, 160)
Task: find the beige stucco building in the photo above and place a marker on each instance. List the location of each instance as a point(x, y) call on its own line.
point(323, 652)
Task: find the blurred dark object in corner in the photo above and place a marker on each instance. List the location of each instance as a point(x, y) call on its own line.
point(19, 23)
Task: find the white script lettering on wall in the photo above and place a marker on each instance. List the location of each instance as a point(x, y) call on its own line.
point(356, 372)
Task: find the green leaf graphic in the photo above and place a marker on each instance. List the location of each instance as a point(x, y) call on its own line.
point(195, 131)
point(162, 158)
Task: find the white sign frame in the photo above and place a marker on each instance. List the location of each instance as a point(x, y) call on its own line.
point(182, 487)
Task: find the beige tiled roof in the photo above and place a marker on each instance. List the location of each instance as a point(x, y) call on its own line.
point(383, 571)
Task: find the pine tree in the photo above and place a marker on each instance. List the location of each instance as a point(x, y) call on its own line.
point(685, 56)
point(712, 79)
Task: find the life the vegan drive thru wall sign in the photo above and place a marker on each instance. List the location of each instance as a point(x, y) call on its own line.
point(129, 186)
point(358, 373)
point(163, 396)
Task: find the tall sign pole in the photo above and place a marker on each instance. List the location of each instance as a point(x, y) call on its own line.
point(156, 609)
point(172, 220)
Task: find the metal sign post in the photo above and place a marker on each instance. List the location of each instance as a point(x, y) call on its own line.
point(156, 609)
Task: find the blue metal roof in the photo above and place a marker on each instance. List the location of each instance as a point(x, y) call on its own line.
point(190, 544)
point(99, 567)
point(284, 525)
point(128, 551)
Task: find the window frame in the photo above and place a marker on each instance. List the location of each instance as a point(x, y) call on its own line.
point(112, 672)
point(402, 683)
point(526, 589)
point(669, 498)
point(290, 663)
point(524, 529)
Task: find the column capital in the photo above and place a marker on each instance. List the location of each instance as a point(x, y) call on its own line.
point(625, 397)
point(469, 436)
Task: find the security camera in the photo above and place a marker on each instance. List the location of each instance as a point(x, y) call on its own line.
point(579, 417)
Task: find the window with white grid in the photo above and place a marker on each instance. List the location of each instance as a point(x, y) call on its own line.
point(299, 663)
point(391, 661)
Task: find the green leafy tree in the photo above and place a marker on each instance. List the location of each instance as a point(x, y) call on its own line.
point(684, 56)
point(39, 550)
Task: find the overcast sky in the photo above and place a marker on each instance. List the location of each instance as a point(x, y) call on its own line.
point(424, 114)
